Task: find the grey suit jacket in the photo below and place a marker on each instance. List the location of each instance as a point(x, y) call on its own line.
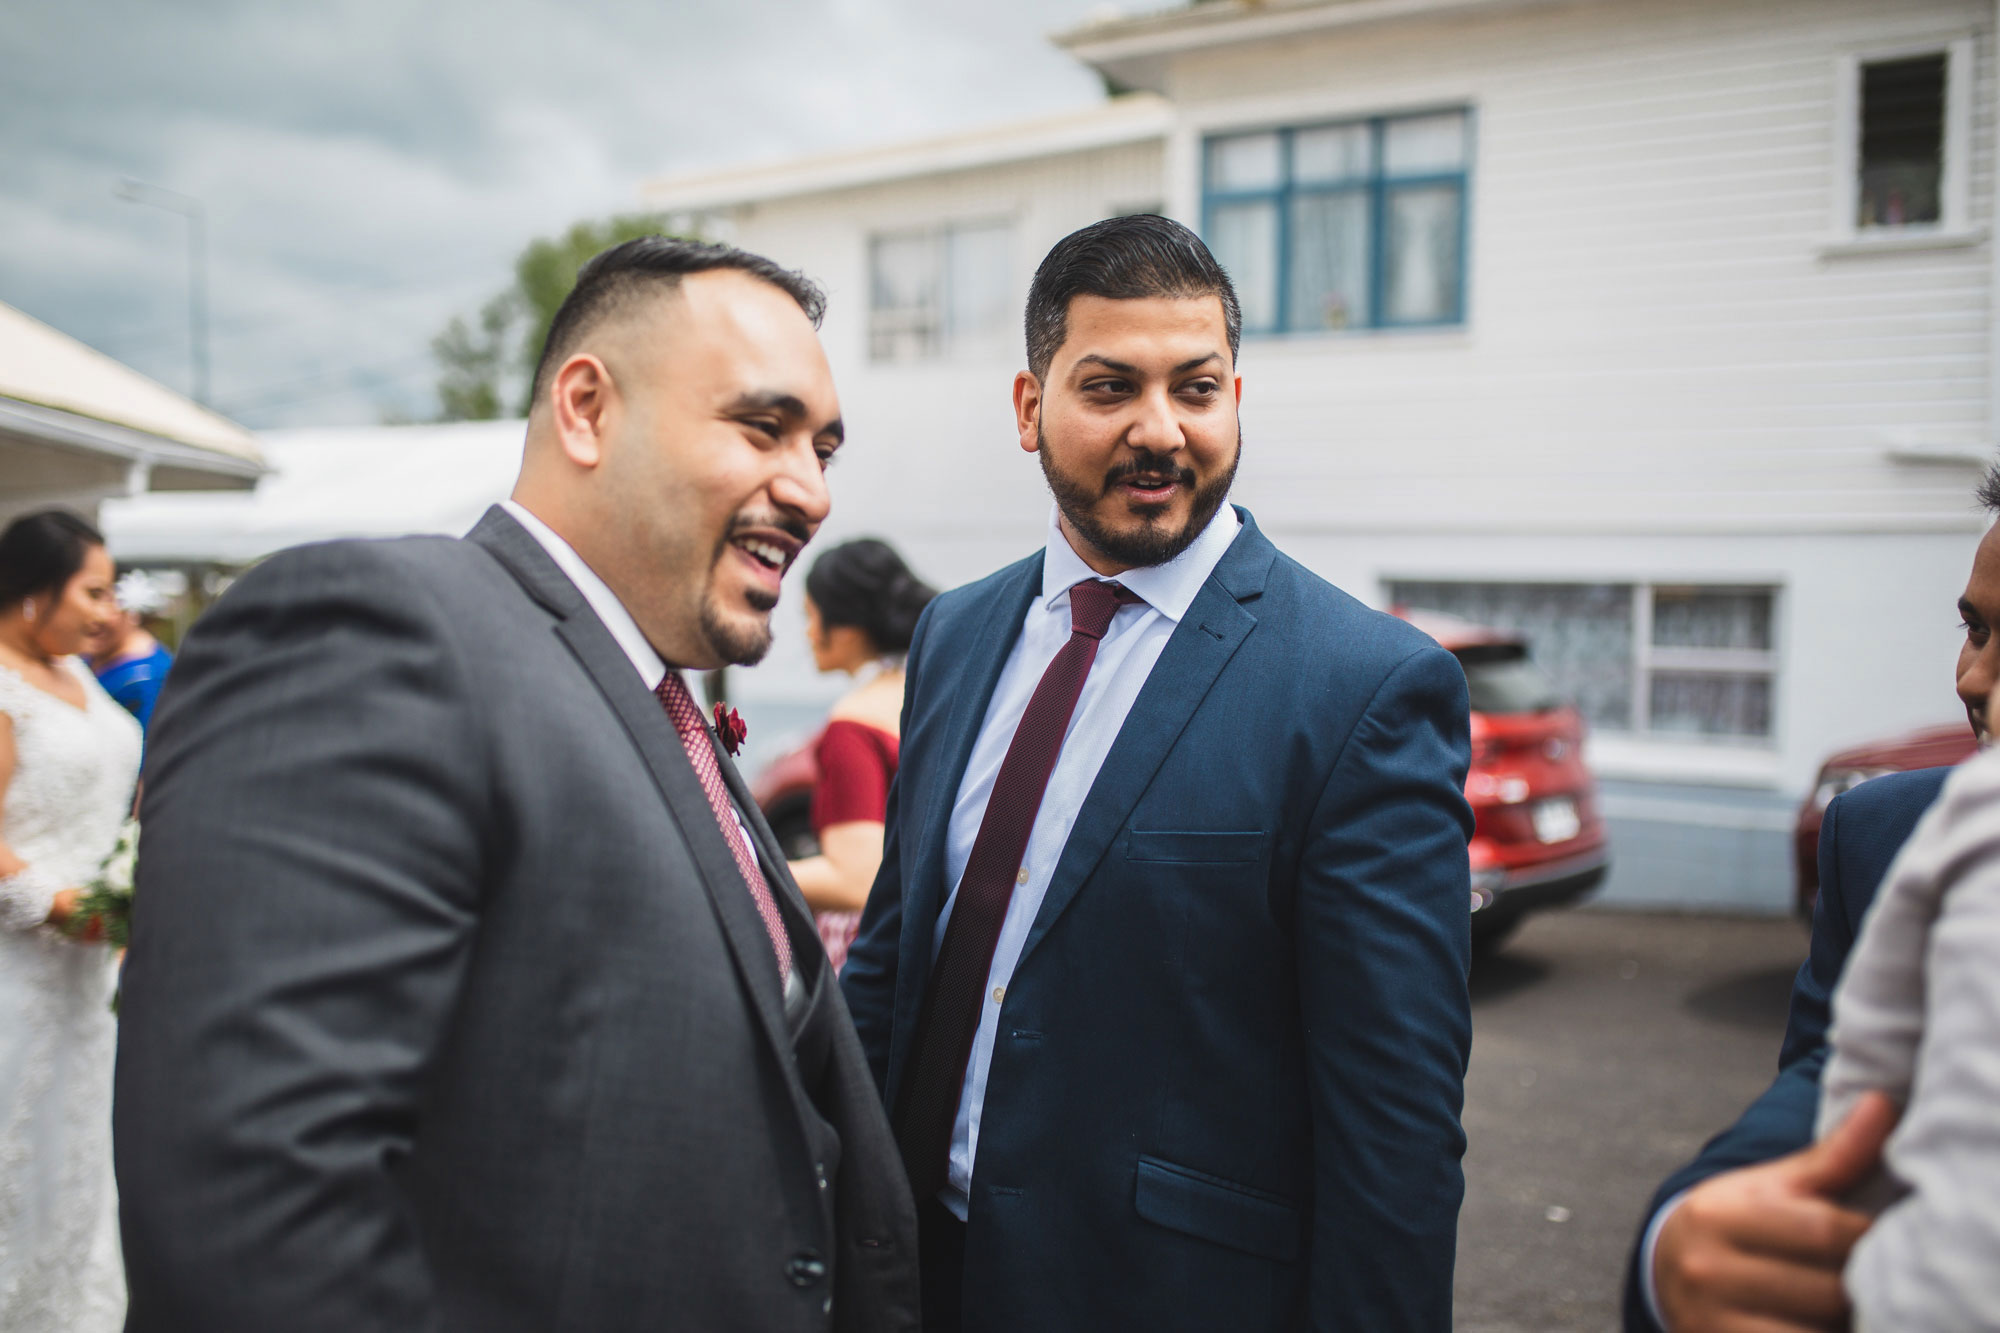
point(447, 1007)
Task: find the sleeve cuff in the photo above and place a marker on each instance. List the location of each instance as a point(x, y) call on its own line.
point(1648, 1289)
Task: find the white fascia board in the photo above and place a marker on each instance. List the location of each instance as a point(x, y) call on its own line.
point(1210, 25)
point(68, 430)
point(1130, 119)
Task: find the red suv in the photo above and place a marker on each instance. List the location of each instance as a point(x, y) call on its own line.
point(1933, 747)
point(1538, 840)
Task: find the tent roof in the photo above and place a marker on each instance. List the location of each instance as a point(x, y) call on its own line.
point(370, 481)
point(50, 369)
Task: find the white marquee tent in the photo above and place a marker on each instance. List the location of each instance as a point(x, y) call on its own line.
point(370, 481)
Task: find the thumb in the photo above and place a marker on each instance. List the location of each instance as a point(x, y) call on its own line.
point(1841, 1160)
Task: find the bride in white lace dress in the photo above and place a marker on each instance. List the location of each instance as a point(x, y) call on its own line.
point(69, 756)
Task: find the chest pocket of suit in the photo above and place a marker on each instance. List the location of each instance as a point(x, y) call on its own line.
point(1194, 848)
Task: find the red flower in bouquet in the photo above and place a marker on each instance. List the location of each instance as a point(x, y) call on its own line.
point(729, 729)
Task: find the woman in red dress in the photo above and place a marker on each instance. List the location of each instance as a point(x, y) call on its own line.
point(862, 604)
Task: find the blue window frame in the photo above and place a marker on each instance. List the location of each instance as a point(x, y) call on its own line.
point(1343, 225)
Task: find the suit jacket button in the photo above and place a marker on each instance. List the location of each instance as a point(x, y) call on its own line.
point(805, 1269)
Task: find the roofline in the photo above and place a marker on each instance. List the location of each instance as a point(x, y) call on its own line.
point(1202, 25)
point(79, 433)
point(1132, 118)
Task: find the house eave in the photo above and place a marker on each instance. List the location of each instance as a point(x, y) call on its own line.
point(1123, 120)
point(1131, 51)
point(141, 450)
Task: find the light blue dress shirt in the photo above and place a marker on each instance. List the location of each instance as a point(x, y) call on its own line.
point(1125, 658)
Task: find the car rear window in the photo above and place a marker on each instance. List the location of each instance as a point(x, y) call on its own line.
point(1501, 679)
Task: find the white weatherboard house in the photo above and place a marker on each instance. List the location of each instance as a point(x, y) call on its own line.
point(1662, 329)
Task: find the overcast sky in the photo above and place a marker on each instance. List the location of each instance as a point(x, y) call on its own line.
point(371, 167)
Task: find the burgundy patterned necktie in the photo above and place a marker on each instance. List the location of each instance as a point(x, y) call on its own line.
point(927, 1105)
point(687, 720)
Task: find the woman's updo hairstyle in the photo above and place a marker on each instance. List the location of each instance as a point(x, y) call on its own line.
point(41, 552)
point(864, 583)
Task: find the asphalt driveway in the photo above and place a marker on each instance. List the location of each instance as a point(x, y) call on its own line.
point(1607, 1047)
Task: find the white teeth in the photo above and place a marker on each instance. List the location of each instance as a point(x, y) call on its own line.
point(765, 552)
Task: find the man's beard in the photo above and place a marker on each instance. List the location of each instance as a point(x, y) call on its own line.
point(744, 645)
point(1155, 542)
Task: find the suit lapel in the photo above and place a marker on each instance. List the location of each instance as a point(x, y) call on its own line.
point(659, 745)
point(1200, 647)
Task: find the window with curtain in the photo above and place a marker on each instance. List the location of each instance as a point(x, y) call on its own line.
point(1902, 148)
point(1676, 659)
point(1359, 224)
point(940, 291)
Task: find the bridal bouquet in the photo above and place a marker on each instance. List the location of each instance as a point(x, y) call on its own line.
point(106, 908)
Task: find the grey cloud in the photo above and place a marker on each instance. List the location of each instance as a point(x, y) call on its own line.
point(371, 167)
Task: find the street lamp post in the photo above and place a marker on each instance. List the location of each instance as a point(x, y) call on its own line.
point(139, 192)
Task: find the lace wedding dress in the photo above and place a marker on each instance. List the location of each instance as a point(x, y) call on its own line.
point(72, 788)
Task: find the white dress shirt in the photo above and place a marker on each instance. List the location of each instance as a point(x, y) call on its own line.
point(652, 668)
point(1125, 658)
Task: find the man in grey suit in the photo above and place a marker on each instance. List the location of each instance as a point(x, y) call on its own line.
point(469, 990)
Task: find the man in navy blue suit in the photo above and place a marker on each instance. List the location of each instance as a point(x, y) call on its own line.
point(1164, 975)
point(1750, 1234)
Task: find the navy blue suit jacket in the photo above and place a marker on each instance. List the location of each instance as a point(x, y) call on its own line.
point(1864, 829)
point(1230, 1065)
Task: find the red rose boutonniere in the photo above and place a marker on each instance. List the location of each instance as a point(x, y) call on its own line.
point(729, 729)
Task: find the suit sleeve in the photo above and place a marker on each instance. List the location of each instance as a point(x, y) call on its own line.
point(868, 978)
point(307, 894)
point(1780, 1121)
point(1384, 941)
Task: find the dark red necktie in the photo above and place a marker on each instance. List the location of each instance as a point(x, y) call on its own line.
point(927, 1105)
point(687, 720)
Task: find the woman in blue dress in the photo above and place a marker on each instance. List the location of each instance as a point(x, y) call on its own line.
point(130, 663)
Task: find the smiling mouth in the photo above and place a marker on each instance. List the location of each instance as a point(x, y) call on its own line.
point(768, 554)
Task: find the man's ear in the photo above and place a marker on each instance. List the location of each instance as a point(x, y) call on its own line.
point(580, 397)
point(1028, 410)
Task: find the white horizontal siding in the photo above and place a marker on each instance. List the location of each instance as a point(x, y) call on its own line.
point(1656, 340)
point(1663, 377)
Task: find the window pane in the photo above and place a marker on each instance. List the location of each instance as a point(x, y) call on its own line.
point(1329, 261)
point(1244, 239)
point(1902, 141)
point(1711, 703)
point(903, 280)
point(979, 284)
point(1579, 633)
point(1245, 162)
point(1421, 255)
point(1711, 618)
point(1423, 145)
point(1332, 153)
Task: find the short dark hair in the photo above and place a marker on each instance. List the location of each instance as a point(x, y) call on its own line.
point(41, 552)
point(654, 265)
point(1123, 259)
point(864, 583)
point(1988, 493)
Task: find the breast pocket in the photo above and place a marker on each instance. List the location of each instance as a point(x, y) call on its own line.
point(1175, 847)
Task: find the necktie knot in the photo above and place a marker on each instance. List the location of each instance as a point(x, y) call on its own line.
point(1093, 602)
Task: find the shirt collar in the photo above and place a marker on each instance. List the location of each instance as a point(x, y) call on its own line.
point(1169, 589)
point(651, 667)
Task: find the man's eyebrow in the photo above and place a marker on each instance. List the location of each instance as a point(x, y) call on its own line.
point(1967, 610)
point(1121, 368)
point(787, 405)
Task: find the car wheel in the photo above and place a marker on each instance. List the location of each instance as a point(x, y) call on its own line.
point(1488, 934)
point(791, 821)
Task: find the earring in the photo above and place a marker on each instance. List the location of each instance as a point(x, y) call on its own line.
point(28, 610)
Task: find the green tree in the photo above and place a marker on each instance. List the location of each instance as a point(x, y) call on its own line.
point(482, 372)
